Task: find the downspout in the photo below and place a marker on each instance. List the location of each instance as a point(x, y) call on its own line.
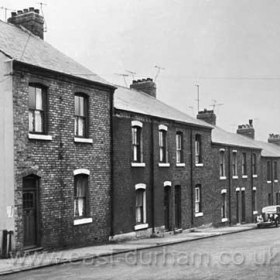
point(112, 163)
point(229, 185)
point(252, 185)
point(152, 160)
point(272, 181)
point(191, 166)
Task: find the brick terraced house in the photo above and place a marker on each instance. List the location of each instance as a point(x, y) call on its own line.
point(80, 163)
point(55, 142)
point(173, 172)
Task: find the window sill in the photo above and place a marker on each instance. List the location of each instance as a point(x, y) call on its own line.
point(275, 181)
point(255, 176)
point(198, 214)
point(244, 176)
point(164, 164)
point(224, 220)
point(269, 182)
point(255, 212)
point(223, 177)
point(138, 164)
point(39, 137)
point(180, 164)
point(140, 226)
point(83, 140)
point(82, 221)
point(199, 164)
point(234, 177)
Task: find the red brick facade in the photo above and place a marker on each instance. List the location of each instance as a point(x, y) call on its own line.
point(55, 161)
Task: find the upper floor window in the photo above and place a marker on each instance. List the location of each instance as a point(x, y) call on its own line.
point(197, 199)
point(163, 144)
point(254, 164)
point(198, 156)
point(179, 147)
point(80, 195)
point(222, 164)
point(37, 109)
point(244, 164)
point(275, 167)
point(268, 171)
point(81, 115)
point(136, 131)
point(234, 163)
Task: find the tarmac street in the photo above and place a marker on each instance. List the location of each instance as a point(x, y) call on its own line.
point(252, 254)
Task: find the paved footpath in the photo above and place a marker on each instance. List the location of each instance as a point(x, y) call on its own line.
point(47, 258)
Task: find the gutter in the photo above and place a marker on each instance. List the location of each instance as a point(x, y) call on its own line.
point(100, 84)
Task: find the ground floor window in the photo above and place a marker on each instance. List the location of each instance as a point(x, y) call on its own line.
point(140, 204)
point(223, 208)
point(197, 199)
point(80, 195)
point(254, 200)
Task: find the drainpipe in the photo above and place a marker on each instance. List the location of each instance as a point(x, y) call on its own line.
point(112, 164)
point(229, 185)
point(191, 165)
point(152, 160)
point(252, 185)
point(272, 181)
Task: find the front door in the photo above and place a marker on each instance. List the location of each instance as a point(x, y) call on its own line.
point(178, 206)
point(243, 213)
point(167, 191)
point(30, 226)
point(237, 208)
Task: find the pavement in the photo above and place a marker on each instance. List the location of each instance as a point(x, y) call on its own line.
point(47, 258)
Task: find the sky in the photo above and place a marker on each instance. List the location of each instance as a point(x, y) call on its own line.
point(230, 48)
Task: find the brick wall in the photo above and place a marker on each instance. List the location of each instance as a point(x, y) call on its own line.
point(126, 176)
point(54, 161)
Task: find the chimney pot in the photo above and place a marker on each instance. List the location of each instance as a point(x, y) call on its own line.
point(37, 11)
point(246, 130)
point(145, 85)
point(30, 20)
point(208, 116)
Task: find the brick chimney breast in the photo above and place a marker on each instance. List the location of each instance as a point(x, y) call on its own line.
point(146, 85)
point(208, 116)
point(29, 19)
point(246, 130)
point(274, 139)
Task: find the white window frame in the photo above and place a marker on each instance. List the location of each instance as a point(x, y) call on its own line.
point(163, 129)
point(197, 200)
point(222, 164)
point(139, 162)
point(179, 148)
point(143, 225)
point(234, 164)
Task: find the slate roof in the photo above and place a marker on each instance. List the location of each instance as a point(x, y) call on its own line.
point(140, 102)
point(269, 149)
point(221, 136)
point(21, 45)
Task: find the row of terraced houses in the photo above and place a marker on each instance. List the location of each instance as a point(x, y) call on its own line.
point(84, 161)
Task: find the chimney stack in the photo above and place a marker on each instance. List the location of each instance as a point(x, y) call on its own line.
point(207, 115)
point(274, 139)
point(29, 19)
point(247, 130)
point(146, 85)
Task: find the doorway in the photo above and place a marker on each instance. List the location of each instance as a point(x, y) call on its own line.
point(167, 201)
point(30, 211)
point(243, 207)
point(178, 207)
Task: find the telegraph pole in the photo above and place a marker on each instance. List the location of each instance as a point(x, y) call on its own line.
point(197, 86)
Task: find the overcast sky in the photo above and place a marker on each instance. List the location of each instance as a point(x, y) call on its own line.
point(231, 48)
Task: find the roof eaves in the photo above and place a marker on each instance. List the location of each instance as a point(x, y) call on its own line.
point(112, 87)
